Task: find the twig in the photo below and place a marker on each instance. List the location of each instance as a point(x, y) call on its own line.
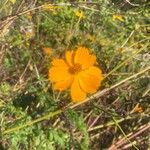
point(52, 114)
point(79, 4)
point(126, 60)
point(100, 93)
point(124, 134)
point(127, 39)
point(131, 3)
point(130, 136)
point(21, 76)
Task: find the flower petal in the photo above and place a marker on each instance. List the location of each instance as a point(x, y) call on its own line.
point(88, 83)
point(83, 57)
point(59, 63)
point(56, 74)
point(77, 94)
point(69, 55)
point(63, 85)
point(59, 71)
point(90, 79)
point(95, 71)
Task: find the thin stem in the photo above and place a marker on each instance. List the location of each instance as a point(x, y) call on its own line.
point(117, 124)
point(125, 61)
point(52, 114)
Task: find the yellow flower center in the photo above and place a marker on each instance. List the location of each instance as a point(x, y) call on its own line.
point(75, 69)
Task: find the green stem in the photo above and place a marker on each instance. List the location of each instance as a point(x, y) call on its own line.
point(117, 124)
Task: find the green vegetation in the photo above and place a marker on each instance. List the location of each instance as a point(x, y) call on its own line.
point(33, 116)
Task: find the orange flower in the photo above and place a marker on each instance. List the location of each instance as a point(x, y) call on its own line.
point(47, 51)
point(77, 72)
point(138, 109)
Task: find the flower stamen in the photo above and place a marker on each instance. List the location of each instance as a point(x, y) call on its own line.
point(75, 69)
